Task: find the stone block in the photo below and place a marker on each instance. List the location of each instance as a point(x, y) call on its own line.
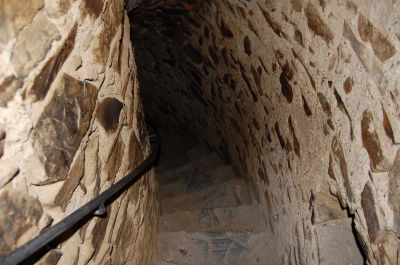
point(18, 214)
point(62, 125)
point(341, 161)
point(371, 64)
point(394, 187)
point(327, 207)
point(45, 79)
point(15, 15)
point(337, 243)
point(373, 142)
point(33, 43)
point(317, 25)
point(383, 49)
point(371, 211)
point(388, 247)
point(8, 88)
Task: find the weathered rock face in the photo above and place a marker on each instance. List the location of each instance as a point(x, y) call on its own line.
point(72, 125)
point(298, 95)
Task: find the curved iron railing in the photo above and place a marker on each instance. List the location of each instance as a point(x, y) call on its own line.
point(95, 207)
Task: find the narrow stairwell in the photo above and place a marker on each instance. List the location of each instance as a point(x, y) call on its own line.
point(208, 214)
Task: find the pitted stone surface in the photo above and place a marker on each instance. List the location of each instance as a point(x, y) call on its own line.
point(295, 95)
point(72, 125)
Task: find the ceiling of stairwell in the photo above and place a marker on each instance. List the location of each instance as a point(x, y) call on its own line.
point(301, 96)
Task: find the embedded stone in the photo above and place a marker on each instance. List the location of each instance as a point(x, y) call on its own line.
point(307, 109)
point(280, 138)
point(136, 157)
point(296, 144)
point(194, 54)
point(225, 30)
point(247, 45)
point(100, 231)
point(383, 49)
point(327, 207)
point(108, 114)
point(58, 8)
point(296, 4)
point(276, 27)
point(368, 203)
point(50, 258)
point(324, 103)
point(9, 169)
point(351, 6)
point(18, 213)
point(112, 19)
point(62, 125)
point(27, 53)
point(394, 187)
point(286, 88)
point(45, 79)
point(372, 143)
point(94, 7)
point(370, 63)
point(317, 25)
point(388, 248)
point(113, 164)
point(8, 88)
point(15, 15)
point(348, 84)
point(192, 5)
point(71, 183)
point(336, 243)
point(2, 139)
point(341, 161)
point(387, 126)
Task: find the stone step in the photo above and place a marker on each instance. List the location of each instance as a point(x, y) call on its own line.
point(206, 248)
point(179, 149)
point(169, 141)
point(193, 181)
point(198, 152)
point(173, 163)
point(228, 194)
point(203, 164)
point(337, 243)
point(247, 218)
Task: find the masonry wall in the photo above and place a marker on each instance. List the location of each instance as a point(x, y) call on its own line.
point(301, 96)
point(71, 125)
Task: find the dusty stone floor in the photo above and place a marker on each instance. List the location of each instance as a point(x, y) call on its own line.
point(210, 216)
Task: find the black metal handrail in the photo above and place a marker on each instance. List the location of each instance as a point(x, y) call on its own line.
point(94, 207)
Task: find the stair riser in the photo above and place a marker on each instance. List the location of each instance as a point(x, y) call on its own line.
point(190, 182)
point(204, 164)
point(229, 194)
point(243, 218)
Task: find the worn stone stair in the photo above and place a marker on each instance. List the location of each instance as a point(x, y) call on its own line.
point(208, 214)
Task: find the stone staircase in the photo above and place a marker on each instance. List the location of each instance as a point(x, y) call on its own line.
point(208, 214)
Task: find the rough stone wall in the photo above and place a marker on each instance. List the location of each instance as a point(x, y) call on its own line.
point(302, 96)
point(71, 125)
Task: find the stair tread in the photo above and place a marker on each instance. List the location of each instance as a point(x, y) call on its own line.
point(190, 181)
point(180, 148)
point(204, 248)
point(247, 218)
point(198, 152)
point(205, 163)
point(231, 193)
point(169, 140)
